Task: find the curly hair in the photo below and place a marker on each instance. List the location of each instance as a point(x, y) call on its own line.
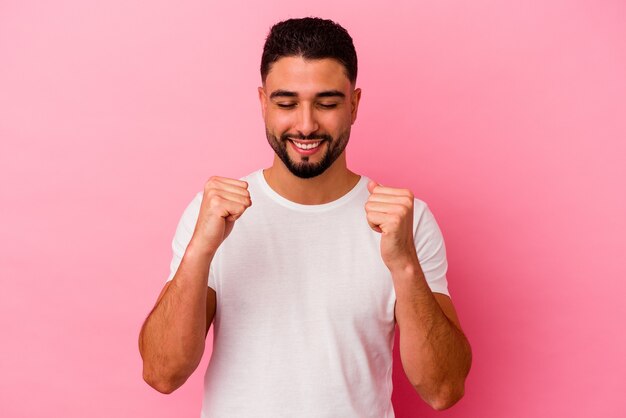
point(309, 38)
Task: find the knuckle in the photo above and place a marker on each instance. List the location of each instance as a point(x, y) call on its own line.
point(209, 184)
point(212, 193)
point(216, 200)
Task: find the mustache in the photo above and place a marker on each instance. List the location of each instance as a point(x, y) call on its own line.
point(323, 137)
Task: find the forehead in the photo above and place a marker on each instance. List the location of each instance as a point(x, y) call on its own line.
point(307, 76)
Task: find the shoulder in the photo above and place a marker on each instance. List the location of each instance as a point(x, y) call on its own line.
point(190, 215)
point(421, 212)
point(424, 223)
point(419, 207)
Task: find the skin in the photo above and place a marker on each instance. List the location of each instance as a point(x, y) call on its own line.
point(309, 115)
point(309, 99)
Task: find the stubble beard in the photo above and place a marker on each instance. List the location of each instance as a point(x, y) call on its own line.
point(306, 169)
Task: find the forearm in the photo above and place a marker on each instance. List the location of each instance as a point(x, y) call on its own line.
point(435, 353)
point(173, 337)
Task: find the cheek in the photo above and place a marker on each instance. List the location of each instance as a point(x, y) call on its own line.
point(336, 123)
point(278, 120)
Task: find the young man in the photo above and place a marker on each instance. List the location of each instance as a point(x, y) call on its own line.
point(305, 285)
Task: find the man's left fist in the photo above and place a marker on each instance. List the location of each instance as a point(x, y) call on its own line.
point(390, 212)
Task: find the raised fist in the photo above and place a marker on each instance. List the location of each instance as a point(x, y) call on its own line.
point(389, 211)
point(223, 202)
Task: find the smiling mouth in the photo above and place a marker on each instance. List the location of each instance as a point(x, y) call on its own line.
point(306, 145)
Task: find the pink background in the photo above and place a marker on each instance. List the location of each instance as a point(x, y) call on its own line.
point(507, 118)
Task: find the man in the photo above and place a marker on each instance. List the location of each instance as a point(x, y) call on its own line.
point(305, 285)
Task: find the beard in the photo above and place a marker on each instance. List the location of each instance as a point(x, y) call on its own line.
point(306, 169)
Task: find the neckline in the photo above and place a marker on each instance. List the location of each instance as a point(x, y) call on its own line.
point(272, 194)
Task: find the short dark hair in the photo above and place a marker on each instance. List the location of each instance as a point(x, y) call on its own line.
point(309, 38)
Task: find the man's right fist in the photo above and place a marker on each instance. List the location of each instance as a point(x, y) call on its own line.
point(223, 202)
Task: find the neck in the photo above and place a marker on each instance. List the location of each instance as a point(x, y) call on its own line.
point(333, 183)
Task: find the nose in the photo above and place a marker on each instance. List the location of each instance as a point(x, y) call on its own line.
point(306, 123)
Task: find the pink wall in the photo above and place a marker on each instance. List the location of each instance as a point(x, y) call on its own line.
point(509, 119)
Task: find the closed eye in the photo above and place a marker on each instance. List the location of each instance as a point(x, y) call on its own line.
point(292, 105)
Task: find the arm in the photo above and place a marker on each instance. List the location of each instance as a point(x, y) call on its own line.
point(435, 353)
point(172, 338)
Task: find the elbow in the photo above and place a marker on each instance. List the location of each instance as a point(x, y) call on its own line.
point(446, 396)
point(451, 389)
point(164, 373)
point(162, 384)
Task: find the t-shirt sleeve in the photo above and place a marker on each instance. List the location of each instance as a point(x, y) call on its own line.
point(182, 236)
point(431, 249)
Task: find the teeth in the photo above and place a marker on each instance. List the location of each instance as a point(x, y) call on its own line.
point(306, 146)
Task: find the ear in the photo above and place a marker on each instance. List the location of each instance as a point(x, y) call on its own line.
point(263, 101)
point(354, 100)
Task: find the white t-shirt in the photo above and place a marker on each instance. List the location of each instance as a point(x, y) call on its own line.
point(304, 324)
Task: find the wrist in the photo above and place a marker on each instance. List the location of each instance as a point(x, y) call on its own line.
point(409, 282)
point(199, 248)
point(407, 266)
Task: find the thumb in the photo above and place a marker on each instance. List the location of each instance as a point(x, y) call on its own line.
point(371, 185)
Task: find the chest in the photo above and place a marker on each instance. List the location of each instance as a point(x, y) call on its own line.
point(311, 267)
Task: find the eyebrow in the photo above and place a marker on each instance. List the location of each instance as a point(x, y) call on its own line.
point(327, 93)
